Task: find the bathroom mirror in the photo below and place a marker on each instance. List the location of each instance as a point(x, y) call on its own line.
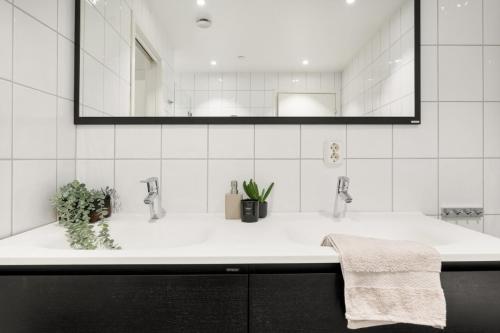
point(247, 62)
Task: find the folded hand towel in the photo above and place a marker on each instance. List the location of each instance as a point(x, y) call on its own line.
point(389, 281)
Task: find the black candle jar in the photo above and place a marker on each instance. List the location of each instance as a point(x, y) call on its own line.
point(249, 211)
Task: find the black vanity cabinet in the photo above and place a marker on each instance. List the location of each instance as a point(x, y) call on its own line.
point(281, 298)
point(306, 302)
point(123, 303)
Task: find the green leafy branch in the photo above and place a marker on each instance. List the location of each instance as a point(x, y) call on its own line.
point(76, 207)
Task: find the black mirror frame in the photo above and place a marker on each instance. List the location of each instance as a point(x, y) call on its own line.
point(415, 120)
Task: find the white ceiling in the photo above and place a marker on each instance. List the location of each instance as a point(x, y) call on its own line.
point(273, 35)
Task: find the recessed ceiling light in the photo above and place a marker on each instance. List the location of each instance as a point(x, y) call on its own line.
point(305, 62)
point(213, 63)
point(350, 2)
point(201, 3)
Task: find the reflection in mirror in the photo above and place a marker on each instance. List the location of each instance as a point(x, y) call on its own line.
point(247, 58)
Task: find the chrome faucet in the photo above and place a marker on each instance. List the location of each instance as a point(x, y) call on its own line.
point(153, 199)
point(342, 198)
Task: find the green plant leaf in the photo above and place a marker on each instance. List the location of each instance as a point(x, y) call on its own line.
point(268, 192)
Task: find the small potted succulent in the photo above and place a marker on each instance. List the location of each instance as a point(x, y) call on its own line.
point(252, 190)
point(77, 209)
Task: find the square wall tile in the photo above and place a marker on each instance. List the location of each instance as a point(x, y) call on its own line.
point(416, 185)
point(418, 141)
point(93, 32)
point(5, 119)
point(460, 22)
point(243, 81)
point(93, 83)
point(471, 224)
point(5, 40)
point(30, 38)
point(138, 141)
point(184, 186)
point(231, 141)
point(42, 10)
point(460, 73)
point(96, 173)
point(277, 141)
point(491, 22)
point(429, 73)
point(368, 141)
point(128, 176)
point(66, 172)
point(66, 19)
point(429, 26)
point(66, 130)
point(492, 225)
point(460, 129)
point(371, 184)
point(201, 81)
point(65, 72)
point(285, 196)
point(318, 185)
point(492, 73)
point(258, 81)
point(492, 186)
point(95, 141)
point(313, 138)
point(460, 183)
point(491, 132)
point(34, 124)
point(185, 141)
point(5, 198)
point(215, 81)
point(35, 184)
point(220, 175)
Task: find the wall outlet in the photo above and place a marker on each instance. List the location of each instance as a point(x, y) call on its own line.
point(332, 153)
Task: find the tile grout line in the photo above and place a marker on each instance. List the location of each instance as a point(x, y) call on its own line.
point(300, 167)
point(207, 156)
point(12, 128)
point(483, 79)
point(438, 114)
point(57, 98)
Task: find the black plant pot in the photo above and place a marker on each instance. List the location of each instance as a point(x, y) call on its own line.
point(108, 208)
point(249, 211)
point(262, 209)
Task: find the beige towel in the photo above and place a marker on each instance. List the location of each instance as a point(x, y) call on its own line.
point(389, 282)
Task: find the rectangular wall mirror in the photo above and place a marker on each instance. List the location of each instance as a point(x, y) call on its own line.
point(247, 62)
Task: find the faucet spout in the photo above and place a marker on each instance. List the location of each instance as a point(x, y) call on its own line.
point(342, 198)
point(153, 199)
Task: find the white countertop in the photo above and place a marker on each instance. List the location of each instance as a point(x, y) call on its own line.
point(209, 239)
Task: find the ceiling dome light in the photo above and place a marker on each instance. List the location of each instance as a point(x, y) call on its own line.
point(203, 22)
point(201, 3)
point(305, 62)
point(350, 2)
point(213, 63)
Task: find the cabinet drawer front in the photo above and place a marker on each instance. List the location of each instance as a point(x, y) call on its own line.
point(124, 304)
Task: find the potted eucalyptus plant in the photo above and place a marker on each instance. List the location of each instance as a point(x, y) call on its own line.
point(78, 208)
point(252, 190)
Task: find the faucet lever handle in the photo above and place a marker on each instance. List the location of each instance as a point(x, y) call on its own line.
point(152, 183)
point(343, 183)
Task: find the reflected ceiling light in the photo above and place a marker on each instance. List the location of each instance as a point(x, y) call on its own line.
point(350, 2)
point(305, 62)
point(201, 3)
point(213, 63)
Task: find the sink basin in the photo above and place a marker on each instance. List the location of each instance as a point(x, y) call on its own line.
point(426, 233)
point(162, 234)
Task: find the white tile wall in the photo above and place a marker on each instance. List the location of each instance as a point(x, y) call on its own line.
point(392, 167)
point(378, 80)
point(245, 94)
